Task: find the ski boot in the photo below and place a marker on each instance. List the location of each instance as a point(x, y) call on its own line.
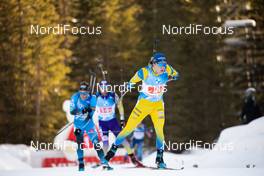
point(159, 160)
point(135, 161)
point(81, 166)
point(100, 153)
point(105, 165)
point(111, 153)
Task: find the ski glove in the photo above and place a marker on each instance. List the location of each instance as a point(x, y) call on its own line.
point(86, 110)
point(174, 78)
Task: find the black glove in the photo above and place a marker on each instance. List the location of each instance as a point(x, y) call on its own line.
point(122, 123)
point(173, 78)
point(170, 78)
point(85, 110)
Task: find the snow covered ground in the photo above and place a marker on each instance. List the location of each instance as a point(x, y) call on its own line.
point(124, 170)
point(244, 157)
point(14, 157)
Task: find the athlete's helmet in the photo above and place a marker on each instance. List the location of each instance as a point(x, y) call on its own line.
point(159, 58)
point(84, 86)
point(103, 85)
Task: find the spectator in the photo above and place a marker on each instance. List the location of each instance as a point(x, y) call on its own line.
point(250, 109)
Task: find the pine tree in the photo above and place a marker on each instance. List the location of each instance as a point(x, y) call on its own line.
point(36, 71)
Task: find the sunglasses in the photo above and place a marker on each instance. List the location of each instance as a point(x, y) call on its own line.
point(83, 93)
point(162, 64)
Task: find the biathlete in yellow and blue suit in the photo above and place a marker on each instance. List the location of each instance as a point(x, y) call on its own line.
point(154, 79)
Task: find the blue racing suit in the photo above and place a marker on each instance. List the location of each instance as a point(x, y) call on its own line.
point(83, 122)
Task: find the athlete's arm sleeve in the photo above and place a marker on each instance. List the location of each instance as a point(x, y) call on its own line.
point(172, 72)
point(139, 76)
point(73, 108)
point(120, 107)
point(92, 106)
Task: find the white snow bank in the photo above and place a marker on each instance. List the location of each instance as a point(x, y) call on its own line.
point(14, 157)
point(237, 147)
point(246, 148)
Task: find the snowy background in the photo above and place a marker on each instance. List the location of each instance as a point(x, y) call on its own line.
point(245, 158)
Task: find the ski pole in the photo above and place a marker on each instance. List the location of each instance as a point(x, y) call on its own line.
point(65, 127)
point(92, 80)
point(155, 46)
point(104, 72)
point(121, 97)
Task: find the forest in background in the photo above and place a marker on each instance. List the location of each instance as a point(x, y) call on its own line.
point(38, 72)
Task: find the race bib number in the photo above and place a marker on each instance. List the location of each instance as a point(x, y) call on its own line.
point(105, 111)
point(155, 90)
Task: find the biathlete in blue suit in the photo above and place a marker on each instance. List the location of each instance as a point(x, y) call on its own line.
point(82, 107)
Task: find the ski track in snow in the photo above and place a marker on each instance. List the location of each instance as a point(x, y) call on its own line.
point(123, 170)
